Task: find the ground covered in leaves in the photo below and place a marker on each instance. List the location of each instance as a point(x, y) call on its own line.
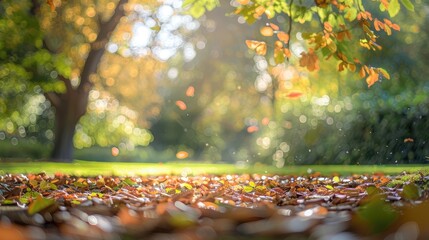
point(377, 206)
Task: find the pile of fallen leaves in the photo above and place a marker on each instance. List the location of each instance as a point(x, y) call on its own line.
point(38, 206)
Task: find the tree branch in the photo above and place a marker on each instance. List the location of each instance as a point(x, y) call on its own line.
point(98, 46)
point(54, 98)
point(67, 82)
point(35, 7)
point(290, 22)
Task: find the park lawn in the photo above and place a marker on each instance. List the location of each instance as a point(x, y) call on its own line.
point(89, 168)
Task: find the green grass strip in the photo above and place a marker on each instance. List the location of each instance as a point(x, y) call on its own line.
point(88, 168)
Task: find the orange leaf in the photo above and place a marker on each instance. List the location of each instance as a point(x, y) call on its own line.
point(327, 26)
point(115, 151)
point(265, 121)
point(283, 36)
point(293, 95)
point(362, 73)
point(396, 27)
point(309, 60)
point(128, 217)
point(408, 140)
point(287, 52)
point(372, 78)
point(182, 105)
point(322, 3)
point(190, 91)
point(278, 45)
point(267, 31)
point(259, 47)
point(51, 4)
point(182, 154)
point(259, 11)
point(274, 27)
point(252, 129)
point(243, 2)
point(385, 3)
point(378, 25)
point(341, 66)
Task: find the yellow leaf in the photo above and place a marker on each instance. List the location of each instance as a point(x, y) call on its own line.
point(259, 47)
point(352, 67)
point(279, 56)
point(336, 179)
point(278, 45)
point(388, 30)
point(384, 73)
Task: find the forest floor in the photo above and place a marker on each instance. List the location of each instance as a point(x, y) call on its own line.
point(193, 204)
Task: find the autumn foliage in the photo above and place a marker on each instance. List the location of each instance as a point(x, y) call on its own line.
point(250, 206)
point(343, 25)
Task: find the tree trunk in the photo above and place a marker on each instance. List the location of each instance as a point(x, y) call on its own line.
point(69, 108)
point(63, 143)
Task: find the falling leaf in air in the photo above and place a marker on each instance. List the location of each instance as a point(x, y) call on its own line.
point(406, 140)
point(252, 129)
point(265, 121)
point(293, 95)
point(190, 91)
point(115, 151)
point(182, 154)
point(182, 105)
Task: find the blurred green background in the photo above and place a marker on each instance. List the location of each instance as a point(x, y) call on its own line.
point(171, 87)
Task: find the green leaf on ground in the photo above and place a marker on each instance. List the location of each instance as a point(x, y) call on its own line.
point(39, 204)
point(411, 191)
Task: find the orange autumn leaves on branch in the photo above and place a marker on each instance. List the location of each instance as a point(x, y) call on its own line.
point(351, 26)
point(281, 46)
